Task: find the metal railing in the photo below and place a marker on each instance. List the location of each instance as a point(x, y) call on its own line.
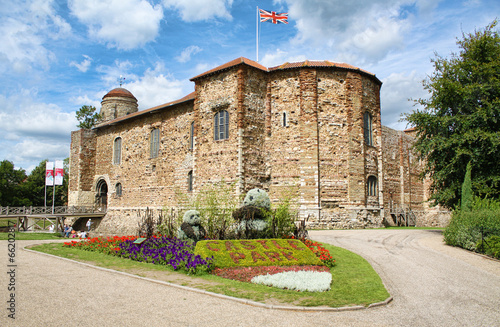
point(61, 210)
point(404, 216)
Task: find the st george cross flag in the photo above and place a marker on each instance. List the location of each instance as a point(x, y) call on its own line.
point(59, 173)
point(49, 173)
point(273, 17)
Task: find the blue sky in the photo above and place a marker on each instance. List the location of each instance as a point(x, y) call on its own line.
point(56, 56)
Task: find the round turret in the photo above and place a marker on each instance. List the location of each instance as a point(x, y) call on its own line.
point(117, 103)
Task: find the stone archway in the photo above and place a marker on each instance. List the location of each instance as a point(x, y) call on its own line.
point(101, 196)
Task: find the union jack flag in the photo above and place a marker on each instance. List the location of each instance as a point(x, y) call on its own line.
point(273, 17)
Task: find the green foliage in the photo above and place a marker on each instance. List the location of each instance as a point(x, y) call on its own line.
point(11, 185)
point(169, 225)
point(467, 228)
point(467, 196)
point(265, 252)
point(281, 222)
point(460, 122)
point(215, 203)
point(87, 117)
point(490, 246)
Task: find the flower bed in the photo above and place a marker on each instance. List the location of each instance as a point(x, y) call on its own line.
point(157, 250)
point(264, 252)
point(245, 274)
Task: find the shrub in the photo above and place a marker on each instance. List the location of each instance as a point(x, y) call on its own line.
point(216, 204)
point(312, 281)
point(281, 222)
point(467, 228)
point(170, 224)
point(490, 246)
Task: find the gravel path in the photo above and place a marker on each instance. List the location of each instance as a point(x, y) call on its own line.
point(432, 285)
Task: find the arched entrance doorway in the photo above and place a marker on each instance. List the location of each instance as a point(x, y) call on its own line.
point(102, 194)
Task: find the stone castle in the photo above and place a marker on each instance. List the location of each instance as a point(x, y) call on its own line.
point(313, 127)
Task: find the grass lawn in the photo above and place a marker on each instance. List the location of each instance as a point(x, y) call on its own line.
point(354, 280)
point(23, 236)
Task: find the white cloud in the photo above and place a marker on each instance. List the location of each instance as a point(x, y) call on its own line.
point(186, 54)
point(156, 87)
point(125, 24)
point(25, 28)
point(196, 10)
point(342, 28)
point(33, 131)
point(397, 95)
point(84, 65)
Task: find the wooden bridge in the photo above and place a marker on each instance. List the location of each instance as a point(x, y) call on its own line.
point(33, 218)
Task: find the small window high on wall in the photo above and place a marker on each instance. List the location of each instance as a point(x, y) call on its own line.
point(190, 181)
point(221, 125)
point(371, 185)
point(117, 151)
point(191, 137)
point(118, 189)
point(367, 128)
point(154, 148)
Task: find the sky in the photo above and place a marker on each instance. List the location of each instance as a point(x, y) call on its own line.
point(56, 56)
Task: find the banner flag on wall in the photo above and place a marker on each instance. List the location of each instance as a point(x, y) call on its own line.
point(59, 173)
point(49, 173)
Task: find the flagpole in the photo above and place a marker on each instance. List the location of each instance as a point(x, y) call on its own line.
point(257, 34)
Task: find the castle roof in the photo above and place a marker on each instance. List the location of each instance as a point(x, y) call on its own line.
point(231, 64)
point(189, 97)
point(287, 65)
point(119, 92)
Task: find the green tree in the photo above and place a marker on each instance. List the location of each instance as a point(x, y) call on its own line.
point(460, 121)
point(87, 117)
point(467, 196)
point(11, 185)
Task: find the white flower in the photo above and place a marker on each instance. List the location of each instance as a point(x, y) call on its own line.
point(312, 281)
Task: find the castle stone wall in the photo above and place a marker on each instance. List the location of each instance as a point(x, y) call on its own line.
point(295, 132)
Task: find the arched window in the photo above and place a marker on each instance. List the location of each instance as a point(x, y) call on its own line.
point(118, 189)
point(367, 127)
point(117, 151)
point(154, 147)
point(221, 125)
point(190, 181)
point(371, 186)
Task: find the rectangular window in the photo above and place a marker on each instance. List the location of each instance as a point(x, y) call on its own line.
point(117, 151)
point(191, 137)
point(221, 125)
point(367, 127)
point(190, 181)
point(155, 143)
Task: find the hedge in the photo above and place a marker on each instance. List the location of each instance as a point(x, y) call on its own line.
point(263, 252)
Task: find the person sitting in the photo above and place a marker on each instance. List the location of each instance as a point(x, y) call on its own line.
point(67, 230)
point(83, 234)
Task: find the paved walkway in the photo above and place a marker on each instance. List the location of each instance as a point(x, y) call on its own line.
point(432, 285)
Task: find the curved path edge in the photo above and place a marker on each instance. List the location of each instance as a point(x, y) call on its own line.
point(220, 296)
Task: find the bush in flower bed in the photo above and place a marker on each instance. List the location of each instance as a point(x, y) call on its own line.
point(312, 281)
point(157, 250)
